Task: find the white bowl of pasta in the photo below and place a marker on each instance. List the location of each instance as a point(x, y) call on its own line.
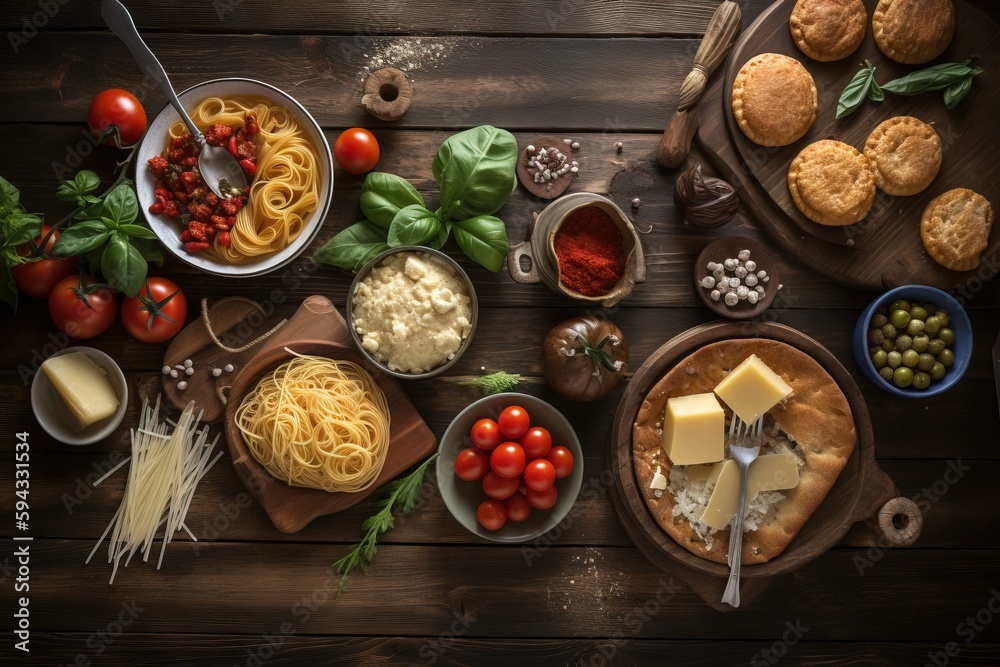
point(287, 161)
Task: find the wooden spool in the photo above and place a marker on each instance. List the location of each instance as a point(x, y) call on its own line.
point(861, 493)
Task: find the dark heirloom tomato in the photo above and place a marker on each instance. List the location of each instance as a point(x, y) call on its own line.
point(584, 358)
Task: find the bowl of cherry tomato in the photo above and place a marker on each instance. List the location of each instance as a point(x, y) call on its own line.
point(511, 467)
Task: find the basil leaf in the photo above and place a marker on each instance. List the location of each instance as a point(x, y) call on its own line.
point(354, 246)
point(83, 184)
point(121, 205)
point(138, 231)
point(475, 169)
point(856, 91)
point(9, 195)
point(932, 78)
point(438, 242)
point(149, 249)
point(413, 225)
point(875, 93)
point(383, 195)
point(956, 92)
point(122, 266)
point(20, 228)
point(80, 239)
point(484, 239)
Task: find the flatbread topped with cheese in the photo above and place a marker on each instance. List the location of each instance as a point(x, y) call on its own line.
point(815, 423)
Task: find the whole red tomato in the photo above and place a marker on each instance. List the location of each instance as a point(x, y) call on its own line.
point(115, 106)
point(39, 277)
point(157, 313)
point(356, 150)
point(492, 514)
point(472, 464)
point(81, 307)
point(518, 508)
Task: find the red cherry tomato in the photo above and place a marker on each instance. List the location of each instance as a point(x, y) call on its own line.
point(356, 150)
point(82, 315)
point(518, 508)
point(507, 460)
point(543, 500)
point(500, 488)
point(514, 422)
point(485, 434)
point(115, 106)
point(39, 277)
point(536, 442)
point(492, 514)
point(562, 460)
point(539, 475)
point(156, 314)
point(472, 464)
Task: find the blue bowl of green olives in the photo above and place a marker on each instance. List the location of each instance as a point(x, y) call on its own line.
point(913, 341)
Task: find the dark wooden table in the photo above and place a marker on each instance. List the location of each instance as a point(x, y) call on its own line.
point(598, 72)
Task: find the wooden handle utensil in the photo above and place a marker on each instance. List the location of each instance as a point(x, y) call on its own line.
point(719, 37)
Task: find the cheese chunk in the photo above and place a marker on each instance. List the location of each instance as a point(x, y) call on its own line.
point(768, 473)
point(751, 389)
point(693, 429)
point(699, 473)
point(83, 386)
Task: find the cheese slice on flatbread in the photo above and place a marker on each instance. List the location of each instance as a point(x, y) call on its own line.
point(816, 416)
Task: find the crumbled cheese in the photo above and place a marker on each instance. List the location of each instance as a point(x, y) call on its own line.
point(412, 312)
point(659, 482)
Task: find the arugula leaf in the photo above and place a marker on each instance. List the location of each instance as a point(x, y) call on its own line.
point(121, 205)
point(475, 170)
point(413, 225)
point(484, 239)
point(80, 239)
point(354, 246)
point(122, 266)
point(383, 195)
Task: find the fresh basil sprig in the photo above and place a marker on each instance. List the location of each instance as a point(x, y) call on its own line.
point(937, 77)
point(861, 87)
point(16, 227)
point(475, 169)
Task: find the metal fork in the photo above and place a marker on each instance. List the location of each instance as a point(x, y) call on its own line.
point(744, 446)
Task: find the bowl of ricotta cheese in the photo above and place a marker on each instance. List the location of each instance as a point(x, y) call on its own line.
point(412, 312)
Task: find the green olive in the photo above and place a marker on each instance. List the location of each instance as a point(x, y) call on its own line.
point(886, 374)
point(889, 331)
point(942, 315)
point(937, 371)
point(918, 312)
point(876, 336)
point(946, 357)
point(899, 319)
point(915, 327)
point(899, 304)
point(947, 335)
point(910, 358)
point(902, 377)
point(935, 346)
point(880, 358)
point(920, 342)
point(921, 380)
point(903, 342)
point(894, 359)
point(926, 362)
point(888, 344)
point(933, 324)
point(879, 321)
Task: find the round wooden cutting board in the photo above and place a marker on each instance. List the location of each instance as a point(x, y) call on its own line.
point(858, 494)
point(884, 249)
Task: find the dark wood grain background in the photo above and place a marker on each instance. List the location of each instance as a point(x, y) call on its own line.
point(598, 72)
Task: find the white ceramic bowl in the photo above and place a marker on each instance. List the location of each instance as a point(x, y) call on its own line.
point(53, 414)
point(169, 231)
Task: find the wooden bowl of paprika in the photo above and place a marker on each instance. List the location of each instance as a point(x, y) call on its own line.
point(583, 246)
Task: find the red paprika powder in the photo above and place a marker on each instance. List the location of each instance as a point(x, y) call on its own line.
point(589, 252)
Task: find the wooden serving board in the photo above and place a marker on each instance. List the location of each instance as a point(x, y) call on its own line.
point(237, 322)
point(884, 249)
point(290, 508)
point(861, 490)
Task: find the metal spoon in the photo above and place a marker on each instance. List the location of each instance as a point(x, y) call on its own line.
point(219, 169)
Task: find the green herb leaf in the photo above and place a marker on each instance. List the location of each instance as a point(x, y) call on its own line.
point(80, 239)
point(484, 239)
point(956, 92)
point(121, 205)
point(80, 187)
point(122, 266)
point(138, 231)
point(438, 242)
point(494, 383)
point(9, 195)
point(354, 246)
point(149, 249)
point(19, 227)
point(875, 92)
point(404, 492)
point(383, 195)
point(413, 225)
point(856, 91)
point(932, 78)
point(475, 169)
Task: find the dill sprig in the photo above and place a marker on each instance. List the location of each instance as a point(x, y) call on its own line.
point(494, 383)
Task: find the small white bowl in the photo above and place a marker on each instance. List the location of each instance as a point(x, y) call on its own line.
point(169, 231)
point(53, 414)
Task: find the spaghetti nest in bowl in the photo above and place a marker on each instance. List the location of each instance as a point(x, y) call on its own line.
point(318, 423)
point(815, 423)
